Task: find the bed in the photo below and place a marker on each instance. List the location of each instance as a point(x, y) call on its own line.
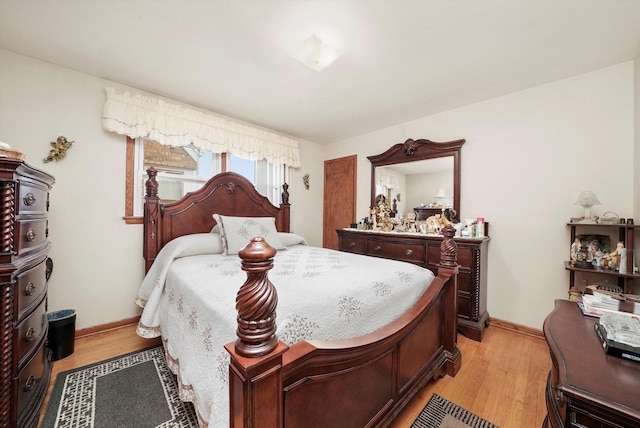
point(274, 371)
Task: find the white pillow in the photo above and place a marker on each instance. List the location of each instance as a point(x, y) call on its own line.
point(236, 232)
point(289, 239)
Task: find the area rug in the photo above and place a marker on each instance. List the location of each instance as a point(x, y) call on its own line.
point(133, 390)
point(442, 413)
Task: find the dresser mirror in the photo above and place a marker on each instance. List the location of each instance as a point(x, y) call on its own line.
point(418, 174)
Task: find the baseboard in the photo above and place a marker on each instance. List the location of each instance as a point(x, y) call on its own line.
point(90, 331)
point(506, 325)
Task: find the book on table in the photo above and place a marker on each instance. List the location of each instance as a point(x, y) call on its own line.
point(619, 334)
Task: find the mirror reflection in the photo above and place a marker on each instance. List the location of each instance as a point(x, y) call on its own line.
point(424, 187)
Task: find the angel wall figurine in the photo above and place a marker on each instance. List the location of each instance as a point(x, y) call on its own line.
point(60, 147)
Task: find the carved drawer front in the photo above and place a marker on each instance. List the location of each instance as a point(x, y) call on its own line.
point(33, 200)
point(30, 235)
point(29, 380)
point(30, 286)
point(352, 244)
point(397, 250)
point(29, 333)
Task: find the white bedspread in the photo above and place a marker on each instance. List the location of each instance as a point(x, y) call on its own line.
point(322, 294)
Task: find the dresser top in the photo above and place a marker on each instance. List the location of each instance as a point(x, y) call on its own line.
point(415, 235)
point(11, 166)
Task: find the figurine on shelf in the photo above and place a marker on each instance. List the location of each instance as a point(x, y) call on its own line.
point(575, 247)
point(612, 259)
point(575, 295)
point(595, 254)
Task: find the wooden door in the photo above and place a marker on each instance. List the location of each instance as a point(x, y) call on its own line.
point(339, 198)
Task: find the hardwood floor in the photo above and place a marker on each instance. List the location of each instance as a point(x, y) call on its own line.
point(502, 378)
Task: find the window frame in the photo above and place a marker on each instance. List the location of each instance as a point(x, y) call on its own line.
point(130, 180)
point(131, 193)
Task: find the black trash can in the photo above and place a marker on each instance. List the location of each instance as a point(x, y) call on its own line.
point(62, 331)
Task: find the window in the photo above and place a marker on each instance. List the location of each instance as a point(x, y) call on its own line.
point(183, 169)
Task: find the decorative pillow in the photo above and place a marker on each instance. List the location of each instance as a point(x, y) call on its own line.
point(236, 232)
point(289, 239)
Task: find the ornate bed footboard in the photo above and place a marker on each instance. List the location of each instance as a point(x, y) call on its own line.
point(364, 381)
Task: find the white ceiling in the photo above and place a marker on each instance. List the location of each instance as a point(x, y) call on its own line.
point(401, 59)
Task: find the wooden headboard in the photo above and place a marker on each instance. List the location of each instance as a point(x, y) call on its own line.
point(227, 193)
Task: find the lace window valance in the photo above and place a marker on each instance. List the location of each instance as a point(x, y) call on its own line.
point(137, 115)
point(387, 178)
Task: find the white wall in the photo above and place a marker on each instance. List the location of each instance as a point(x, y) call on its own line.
point(527, 157)
point(98, 261)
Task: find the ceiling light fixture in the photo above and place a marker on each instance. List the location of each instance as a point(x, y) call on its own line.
point(316, 54)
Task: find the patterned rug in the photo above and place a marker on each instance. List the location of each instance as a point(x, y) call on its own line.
point(133, 390)
point(442, 413)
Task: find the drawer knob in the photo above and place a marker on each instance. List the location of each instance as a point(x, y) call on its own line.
point(31, 235)
point(377, 248)
point(408, 252)
point(352, 244)
point(31, 382)
point(30, 335)
point(29, 289)
point(29, 199)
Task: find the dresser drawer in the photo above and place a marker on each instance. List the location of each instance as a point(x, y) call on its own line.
point(30, 332)
point(30, 287)
point(31, 380)
point(352, 244)
point(30, 234)
point(33, 199)
point(465, 257)
point(397, 250)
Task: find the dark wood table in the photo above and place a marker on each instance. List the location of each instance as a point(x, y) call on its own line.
point(586, 387)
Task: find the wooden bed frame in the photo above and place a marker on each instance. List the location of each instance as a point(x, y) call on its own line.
point(359, 382)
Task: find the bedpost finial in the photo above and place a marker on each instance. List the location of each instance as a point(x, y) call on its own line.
point(285, 193)
point(448, 248)
point(151, 185)
point(256, 301)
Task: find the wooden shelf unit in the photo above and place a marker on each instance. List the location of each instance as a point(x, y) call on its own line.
point(626, 234)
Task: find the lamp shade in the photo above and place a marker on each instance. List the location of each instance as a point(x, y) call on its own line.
point(587, 199)
point(441, 194)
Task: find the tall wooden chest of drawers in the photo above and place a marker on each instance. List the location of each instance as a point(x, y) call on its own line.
point(24, 270)
point(424, 250)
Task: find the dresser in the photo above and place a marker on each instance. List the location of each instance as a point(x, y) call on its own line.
point(424, 250)
point(586, 387)
point(24, 270)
